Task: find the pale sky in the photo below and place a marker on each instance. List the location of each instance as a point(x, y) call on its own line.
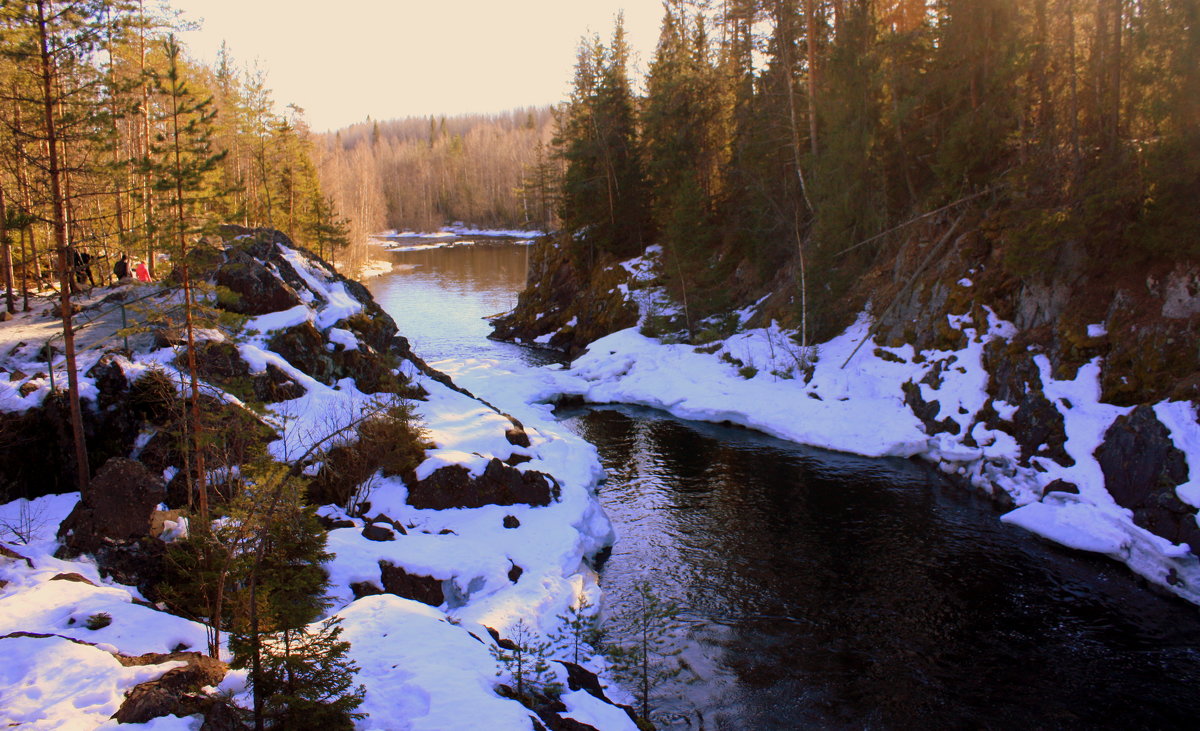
point(344, 61)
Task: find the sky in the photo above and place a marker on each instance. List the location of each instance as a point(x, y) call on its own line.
point(344, 61)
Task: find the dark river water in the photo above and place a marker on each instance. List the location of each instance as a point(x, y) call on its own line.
point(822, 590)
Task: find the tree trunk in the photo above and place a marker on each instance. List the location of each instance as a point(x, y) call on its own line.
point(810, 19)
point(60, 233)
point(6, 243)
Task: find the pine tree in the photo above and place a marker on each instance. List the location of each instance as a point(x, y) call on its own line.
point(183, 162)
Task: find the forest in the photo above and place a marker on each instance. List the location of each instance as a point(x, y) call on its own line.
point(112, 141)
point(493, 170)
point(803, 137)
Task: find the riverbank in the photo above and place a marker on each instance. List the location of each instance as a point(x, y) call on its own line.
point(1070, 467)
point(420, 590)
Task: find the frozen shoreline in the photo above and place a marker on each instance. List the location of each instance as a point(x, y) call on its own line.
point(827, 397)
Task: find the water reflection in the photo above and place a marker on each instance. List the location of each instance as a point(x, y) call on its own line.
point(439, 298)
point(825, 590)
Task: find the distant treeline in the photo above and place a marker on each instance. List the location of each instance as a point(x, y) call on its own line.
point(774, 135)
point(422, 172)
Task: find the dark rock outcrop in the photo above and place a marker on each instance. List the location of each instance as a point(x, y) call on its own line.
point(117, 507)
point(305, 347)
point(256, 289)
point(580, 678)
point(424, 589)
point(1142, 468)
point(378, 532)
point(1037, 425)
point(453, 487)
point(113, 522)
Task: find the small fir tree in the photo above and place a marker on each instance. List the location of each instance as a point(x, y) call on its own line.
point(524, 659)
point(643, 659)
point(307, 679)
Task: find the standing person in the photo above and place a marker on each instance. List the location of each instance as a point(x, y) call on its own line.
point(121, 268)
point(143, 274)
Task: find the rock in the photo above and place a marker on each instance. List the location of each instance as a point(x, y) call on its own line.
point(303, 346)
point(378, 532)
point(514, 573)
point(501, 642)
point(329, 523)
point(217, 361)
point(110, 380)
point(12, 555)
point(222, 716)
point(118, 505)
point(1061, 486)
point(113, 522)
point(516, 436)
point(580, 678)
point(364, 588)
point(927, 411)
point(80, 578)
point(169, 337)
point(274, 386)
point(1142, 467)
point(453, 487)
point(5, 316)
point(258, 290)
point(1015, 379)
point(27, 388)
point(423, 589)
point(384, 519)
point(510, 521)
point(177, 692)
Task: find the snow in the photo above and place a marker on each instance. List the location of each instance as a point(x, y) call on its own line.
point(53, 683)
point(447, 675)
point(344, 338)
point(1097, 330)
point(374, 268)
point(1182, 421)
point(421, 672)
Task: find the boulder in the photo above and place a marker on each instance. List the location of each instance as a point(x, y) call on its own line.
point(454, 487)
point(274, 386)
point(423, 589)
point(1142, 467)
point(117, 506)
point(177, 692)
point(258, 290)
point(379, 532)
point(110, 379)
point(303, 346)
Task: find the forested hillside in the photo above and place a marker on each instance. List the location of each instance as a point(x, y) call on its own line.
point(420, 173)
point(796, 145)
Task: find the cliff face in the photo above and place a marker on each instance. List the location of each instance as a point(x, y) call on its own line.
point(566, 307)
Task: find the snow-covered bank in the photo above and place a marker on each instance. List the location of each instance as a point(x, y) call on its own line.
point(424, 667)
point(850, 394)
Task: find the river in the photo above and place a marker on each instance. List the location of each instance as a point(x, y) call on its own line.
point(822, 590)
